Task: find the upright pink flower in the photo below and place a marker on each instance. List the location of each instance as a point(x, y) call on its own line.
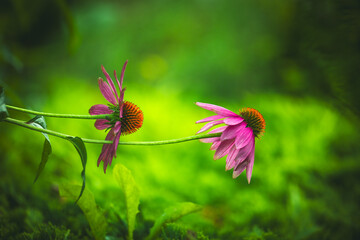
point(237, 138)
point(126, 117)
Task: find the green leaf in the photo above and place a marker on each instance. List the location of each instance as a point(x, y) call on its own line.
point(172, 214)
point(132, 195)
point(39, 121)
point(80, 147)
point(44, 158)
point(87, 204)
point(3, 111)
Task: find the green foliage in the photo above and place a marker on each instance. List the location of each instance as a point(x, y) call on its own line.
point(172, 214)
point(131, 191)
point(94, 215)
point(39, 121)
point(15, 225)
point(259, 234)
point(3, 111)
point(47, 231)
point(81, 149)
point(172, 231)
point(291, 60)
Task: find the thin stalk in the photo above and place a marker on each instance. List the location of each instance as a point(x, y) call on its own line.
point(163, 142)
point(59, 115)
point(149, 143)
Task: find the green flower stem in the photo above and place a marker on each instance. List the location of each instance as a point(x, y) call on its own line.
point(150, 143)
point(57, 115)
point(163, 142)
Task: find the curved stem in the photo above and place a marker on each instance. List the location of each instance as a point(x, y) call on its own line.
point(149, 143)
point(163, 142)
point(58, 115)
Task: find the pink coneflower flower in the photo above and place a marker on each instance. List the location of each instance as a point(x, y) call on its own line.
point(237, 138)
point(126, 117)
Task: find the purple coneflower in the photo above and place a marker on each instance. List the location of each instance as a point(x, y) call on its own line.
point(127, 117)
point(237, 138)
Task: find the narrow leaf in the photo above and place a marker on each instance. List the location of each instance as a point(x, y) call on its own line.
point(81, 149)
point(39, 122)
point(132, 195)
point(87, 204)
point(3, 111)
point(44, 158)
point(172, 214)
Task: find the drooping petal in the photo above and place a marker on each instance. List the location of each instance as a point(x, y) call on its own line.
point(210, 140)
point(244, 153)
point(107, 152)
point(116, 142)
point(106, 148)
point(208, 119)
point(233, 120)
point(217, 109)
point(210, 125)
point(243, 137)
point(232, 131)
point(219, 129)
point(216, 130)
point(109, 80)
point(230, 160)
point(223, 148)
point(250, 165)
point(215, 145)
point(239, 169)
point(117, 127)
point(100, 109)
point(102, 124)
point(117, 132)
point(106, 92)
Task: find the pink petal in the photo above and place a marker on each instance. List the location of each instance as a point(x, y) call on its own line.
point(239, 169)
point(233, 120)
point(104, 155)
point(208, 119)
point(109, 80)
point(122, 74)
point(230, 160)
point(100, 109)
point(249, 167)
point(215, 145)
point(248, 163)
point(117, 127)
point(243, 137)
point(121, 100)
point(116, 141)
point(102, 124)
point(217, 109)
point(219, 129)
point(216, 130)
point(223, 148)
point(107, 152)
point(106, 92)
point(244, 153)
point(209, 140)
point(232, 131)
point(210, 125)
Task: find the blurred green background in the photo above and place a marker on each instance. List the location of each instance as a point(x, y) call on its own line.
point(295, 61)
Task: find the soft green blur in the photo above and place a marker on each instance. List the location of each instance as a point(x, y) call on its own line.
point(283, 58)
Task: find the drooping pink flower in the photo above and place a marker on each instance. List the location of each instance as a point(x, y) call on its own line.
point(237, 139)
point(126, 117)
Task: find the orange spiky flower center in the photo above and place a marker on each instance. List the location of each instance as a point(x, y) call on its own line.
point(132, 118)
point(254, 120)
